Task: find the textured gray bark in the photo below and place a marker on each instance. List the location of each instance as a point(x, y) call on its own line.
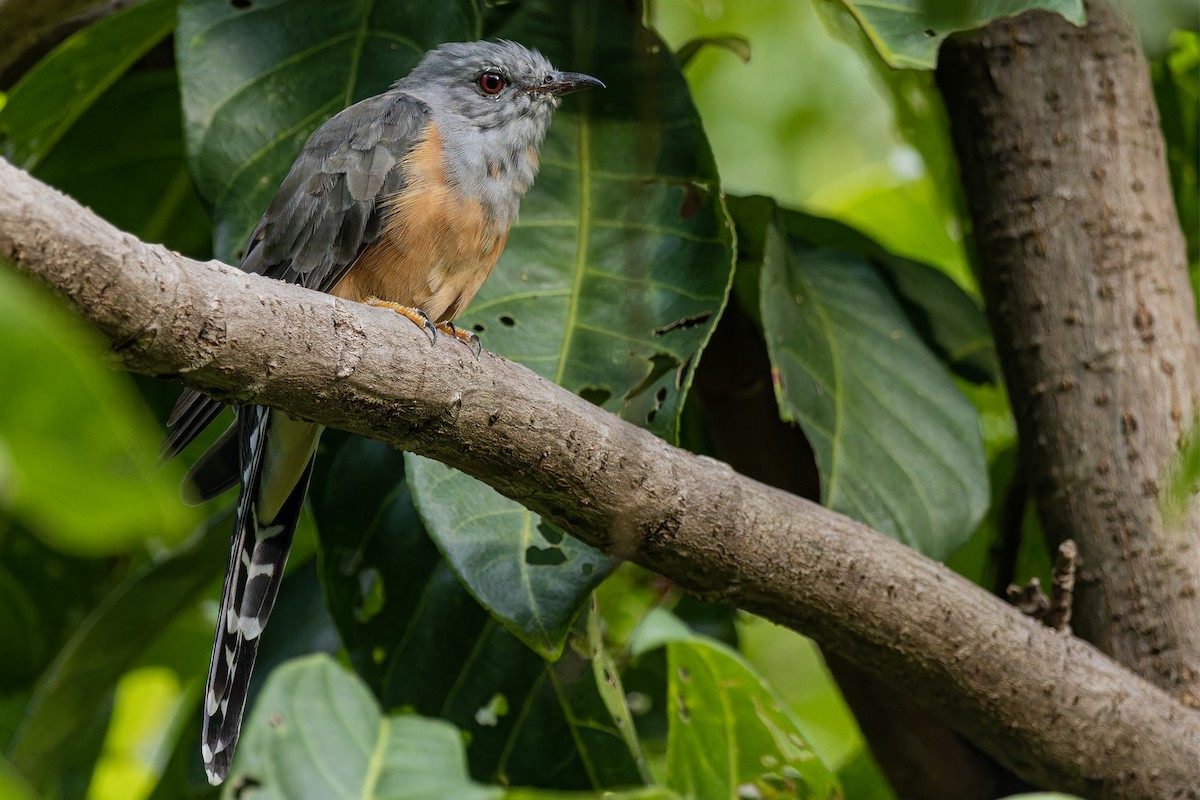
point(1085, 276)
point(1050, 707)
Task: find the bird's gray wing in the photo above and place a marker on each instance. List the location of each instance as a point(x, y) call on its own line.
point(324, 215)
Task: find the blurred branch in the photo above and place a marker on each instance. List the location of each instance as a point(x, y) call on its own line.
point(1031, 698)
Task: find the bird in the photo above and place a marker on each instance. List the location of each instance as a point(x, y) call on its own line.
point(403, 200)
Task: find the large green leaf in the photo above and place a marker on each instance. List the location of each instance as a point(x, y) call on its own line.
point(526, 571)
point(792, 666)
point(610, 285)
point(949, 320)
point(316, 732)
point(80, 447)
point(421, 641)
point(257, 78)
point(53, 95)
point(897, 444)
point(908, 33)
point(78, 685)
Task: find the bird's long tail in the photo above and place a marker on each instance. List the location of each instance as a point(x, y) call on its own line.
point(276, 456)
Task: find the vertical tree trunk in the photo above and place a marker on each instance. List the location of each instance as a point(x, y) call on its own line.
point(1085, 276)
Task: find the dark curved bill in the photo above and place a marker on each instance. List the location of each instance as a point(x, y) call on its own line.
point(567, 82)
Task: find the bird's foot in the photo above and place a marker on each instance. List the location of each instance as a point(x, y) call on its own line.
point(469, 338)
point(418, 317)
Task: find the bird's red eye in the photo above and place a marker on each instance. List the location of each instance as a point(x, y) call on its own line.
point(491, 83)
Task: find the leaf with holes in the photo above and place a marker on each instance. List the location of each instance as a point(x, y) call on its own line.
point(420, 641)
point(259, 75)
point(908, 33)
point(897, 444)
point(610, 285)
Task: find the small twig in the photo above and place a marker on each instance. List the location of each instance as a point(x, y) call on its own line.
point(1053, 611)
point(1030, 599)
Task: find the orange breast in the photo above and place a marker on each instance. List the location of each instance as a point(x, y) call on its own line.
point(437, 246)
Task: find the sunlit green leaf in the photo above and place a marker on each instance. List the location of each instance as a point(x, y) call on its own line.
point(734, 44)
point(730, 735)
point(53, 95)
point(80, 446)
point(908, 33)
point(897, 445)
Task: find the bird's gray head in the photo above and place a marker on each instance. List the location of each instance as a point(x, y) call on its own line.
point(492, 84)
point(492, 102)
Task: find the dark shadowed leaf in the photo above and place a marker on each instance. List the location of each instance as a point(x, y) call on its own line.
point(897, 444)
point(53, 95)
point(258, 77)
point(610, 285)
point(948, 319)
point(908, 33)
point(132, 138)
point(80, 682)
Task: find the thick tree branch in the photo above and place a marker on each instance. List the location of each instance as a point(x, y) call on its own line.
point(1052, 708)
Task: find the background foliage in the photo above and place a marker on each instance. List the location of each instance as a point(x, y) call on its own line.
point(433, 639)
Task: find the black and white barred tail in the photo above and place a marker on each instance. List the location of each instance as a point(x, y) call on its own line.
point(276, 457)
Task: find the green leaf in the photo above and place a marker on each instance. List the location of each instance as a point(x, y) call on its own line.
point(730, 735)
point(79, 684)
point(53, 95)
point(734, 44)
point(257, 78)
point(791, 664)
point(950, 321)
point(316, 732)
point(610, 285)
point(897, 445)
point(908, 33)
point(527, 572)
point(79, 444)
point(132, 139)
point(43, 595)
point(421, 641)
point(1176, 79)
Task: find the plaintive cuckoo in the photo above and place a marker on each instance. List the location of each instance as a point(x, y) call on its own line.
point(402, 200)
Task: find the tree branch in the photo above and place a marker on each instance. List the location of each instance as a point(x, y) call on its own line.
point(1052, 708)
